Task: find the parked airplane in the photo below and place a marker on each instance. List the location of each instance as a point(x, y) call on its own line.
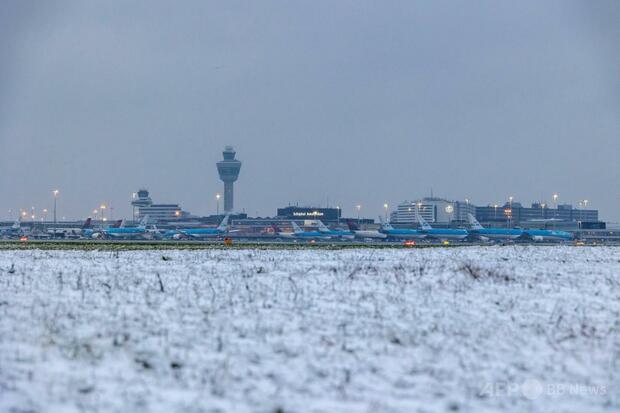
point(400, 233)
point(492, 233)
point(88, 231)
point(540, 235)
point(335, 233)
point(299, 233)
point(201, 232)
point(364, 234)
point(124, 233)
point(440, 233)
point(14, 230)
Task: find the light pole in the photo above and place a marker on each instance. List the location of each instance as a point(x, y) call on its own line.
point(542, 209)
point(495, 216)
point(338, 214)
point(102, 207)
point(359, 207)
point(386, 206)
point(55, 192)
point(217, 200)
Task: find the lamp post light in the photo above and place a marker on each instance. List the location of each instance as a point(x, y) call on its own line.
point(359, 207)
point(386, 206)
point(217, 200)
point(542, 209)
point(102, 207)
point(338, 214)
point(495, 206)
point(55, 192)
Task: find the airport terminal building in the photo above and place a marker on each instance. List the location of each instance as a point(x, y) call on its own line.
point(309, 213)
point(433, 210)
point(143, 205)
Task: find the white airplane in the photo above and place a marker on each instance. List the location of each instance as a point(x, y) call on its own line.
point(364, 234)
point(299, 233)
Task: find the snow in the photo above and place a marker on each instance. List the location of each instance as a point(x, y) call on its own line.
point(519, 328)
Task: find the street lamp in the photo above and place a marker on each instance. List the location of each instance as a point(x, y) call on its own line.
point(386, 206)
point(338, 214)
point(102, 207)
point(495, 206)
point(55, 192)
point(359, 207)
point(217, 200)
point(542, 209)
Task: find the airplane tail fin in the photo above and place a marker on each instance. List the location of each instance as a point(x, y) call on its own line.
point(352, 225)
point(322, 226)
point(143, 222)
point(473, 222)
point(423, 224)
point(296, 228)
point(121, 223)
point(116, 224)
point(224, 224)
point(87, 223)
point(17, 224)
point(385, 225)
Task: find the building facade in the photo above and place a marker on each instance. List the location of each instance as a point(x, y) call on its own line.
point(514, 213)
point(143, 205)
point(433, 210)
point(308, 213)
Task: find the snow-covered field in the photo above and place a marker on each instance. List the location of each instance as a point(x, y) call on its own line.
point(458, 329)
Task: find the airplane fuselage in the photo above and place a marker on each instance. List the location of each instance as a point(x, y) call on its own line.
point(404, 233)
point(548, 235)
point(497, 233)
point(446, 234)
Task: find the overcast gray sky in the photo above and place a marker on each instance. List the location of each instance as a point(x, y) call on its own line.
point(347, 101)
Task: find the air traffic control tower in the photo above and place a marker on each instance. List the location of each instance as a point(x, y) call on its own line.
point(229, 172)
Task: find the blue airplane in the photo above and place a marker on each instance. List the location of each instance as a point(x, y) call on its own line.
point(335, 233)
point(492, 233)
point(122, 232)
point(541, 235)
point(440, 233)
point(201, 232)
point(400, 233)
